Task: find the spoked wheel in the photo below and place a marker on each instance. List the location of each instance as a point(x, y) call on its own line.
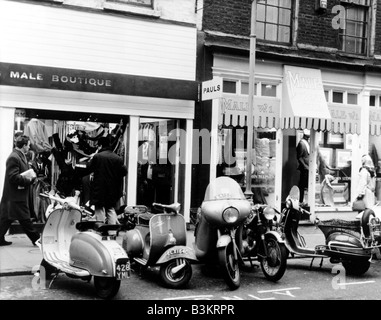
point(230, 266)
point(356, 268)
point(106, 287)
point(274, 265)
point(176, 273)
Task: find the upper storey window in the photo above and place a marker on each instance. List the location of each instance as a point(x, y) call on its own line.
point(138, 2)
point(354, 35)
point(274, 20)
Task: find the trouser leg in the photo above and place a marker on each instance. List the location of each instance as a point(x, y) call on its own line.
point(5, 224)
point(30, 230)
point(99, 214)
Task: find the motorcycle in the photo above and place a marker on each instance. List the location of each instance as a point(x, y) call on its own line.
point(353, 242)
point(261, 240)
point(229, 229)
point(81, 248)
point(159, 239)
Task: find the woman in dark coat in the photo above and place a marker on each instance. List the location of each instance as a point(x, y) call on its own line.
point(15, 202)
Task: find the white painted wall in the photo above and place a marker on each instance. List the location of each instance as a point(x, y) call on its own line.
point(59, 37)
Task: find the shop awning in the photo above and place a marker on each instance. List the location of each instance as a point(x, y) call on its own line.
point(234, 110)
point(345, 118)
point(304, 104)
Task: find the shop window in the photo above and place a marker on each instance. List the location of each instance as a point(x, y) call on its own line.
point(229, 86)
point(352, 98)
point(354, 36)
point(337, 97)
point(274, 20)
point(268, 90)
point(372, 101)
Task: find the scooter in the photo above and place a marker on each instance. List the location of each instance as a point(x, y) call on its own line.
point(159, 240)
point(82, 248)
point(353, 242)
point(219, 226)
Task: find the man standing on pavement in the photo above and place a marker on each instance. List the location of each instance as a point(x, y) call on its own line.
point(107, 184)
point(15, 202)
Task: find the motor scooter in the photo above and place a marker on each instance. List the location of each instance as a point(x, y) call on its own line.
point(159, 240)
point(82, 248)
point(219, 226)
point(352, 242)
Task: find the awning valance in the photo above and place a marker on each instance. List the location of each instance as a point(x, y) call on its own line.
point(375, 121)
point(345, 118)
point(234, 110)
point(304, 104)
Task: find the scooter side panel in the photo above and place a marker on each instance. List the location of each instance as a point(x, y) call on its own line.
point(133, 242)
point(88, 251)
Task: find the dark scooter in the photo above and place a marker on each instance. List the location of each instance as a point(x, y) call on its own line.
point(159, 239)
point(353, 243)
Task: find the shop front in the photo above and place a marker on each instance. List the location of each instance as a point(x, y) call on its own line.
point(289, 99)
point(67, 86)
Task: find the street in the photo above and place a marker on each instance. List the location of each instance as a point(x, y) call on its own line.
point(299, 283)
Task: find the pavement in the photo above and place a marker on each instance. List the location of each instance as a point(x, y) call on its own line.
point(22, 258)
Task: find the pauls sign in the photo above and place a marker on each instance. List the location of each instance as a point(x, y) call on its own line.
point(211, 89)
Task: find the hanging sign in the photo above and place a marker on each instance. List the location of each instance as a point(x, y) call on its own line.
point(211, 89)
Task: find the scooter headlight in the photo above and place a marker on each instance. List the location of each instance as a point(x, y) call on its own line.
point(230, 215)
point(269, 213)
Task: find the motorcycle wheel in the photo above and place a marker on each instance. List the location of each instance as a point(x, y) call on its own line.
point(175, 280)
point(106, 287)
point(365, 220)
point(356, 268)
point(230, 266)
point(274, 266)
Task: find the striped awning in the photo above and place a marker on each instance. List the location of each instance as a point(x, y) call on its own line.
point(345, 118)
point(234, 110)
point(304, 105)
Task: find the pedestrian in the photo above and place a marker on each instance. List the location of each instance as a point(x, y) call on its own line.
point(367, 182)
point(15, 202)
point(303, 155)
point(108, 169)
point(325, 179)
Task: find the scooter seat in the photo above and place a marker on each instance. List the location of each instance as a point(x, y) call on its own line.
point(88, 225)
point(98, 226)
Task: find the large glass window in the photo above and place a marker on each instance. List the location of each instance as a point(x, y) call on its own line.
point(354, 37)
point(274, 20)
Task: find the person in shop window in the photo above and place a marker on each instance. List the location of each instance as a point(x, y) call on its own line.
point(107, 186)
point(303, 155)
point(367, 182)
point(15, 202)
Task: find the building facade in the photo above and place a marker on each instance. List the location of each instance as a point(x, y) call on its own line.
point(317, 67)
point(72, 71)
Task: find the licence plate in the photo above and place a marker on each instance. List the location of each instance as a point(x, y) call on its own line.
point(123, 268)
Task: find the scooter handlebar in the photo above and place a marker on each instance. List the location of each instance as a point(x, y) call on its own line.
point(71, 205)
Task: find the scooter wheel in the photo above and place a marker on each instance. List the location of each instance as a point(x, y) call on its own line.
point(106, 287)
point(175, 280)
point(229, 266)
point(356, 268)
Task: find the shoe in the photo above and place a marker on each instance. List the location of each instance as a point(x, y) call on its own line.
point(5, 243)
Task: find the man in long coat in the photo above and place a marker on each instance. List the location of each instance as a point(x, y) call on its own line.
point(107, 184)
point(15, 202)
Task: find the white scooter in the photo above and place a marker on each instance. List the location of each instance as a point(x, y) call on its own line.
point(82, 249)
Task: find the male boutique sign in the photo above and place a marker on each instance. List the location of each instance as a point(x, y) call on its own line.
point(91, 81)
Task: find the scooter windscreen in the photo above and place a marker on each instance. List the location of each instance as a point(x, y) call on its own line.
point(294, 193)
point(223, 188)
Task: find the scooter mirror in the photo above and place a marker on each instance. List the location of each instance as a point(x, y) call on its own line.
point(294, 193)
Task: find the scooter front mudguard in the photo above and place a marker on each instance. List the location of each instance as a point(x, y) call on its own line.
point(177, 252)
point(88, 251)
point(223, 241)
